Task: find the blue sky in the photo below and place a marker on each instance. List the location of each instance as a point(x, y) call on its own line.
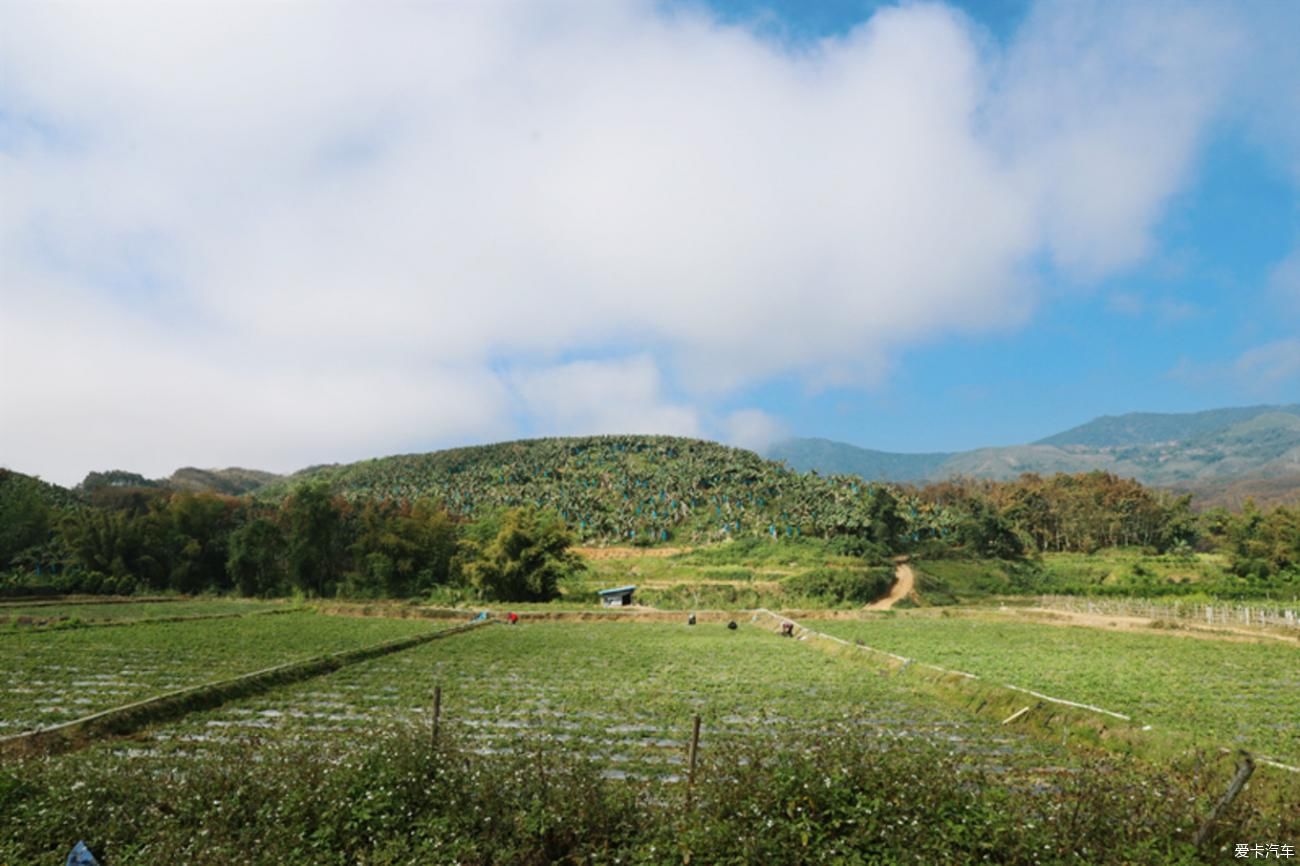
point(275, 235)
point(1163, 335)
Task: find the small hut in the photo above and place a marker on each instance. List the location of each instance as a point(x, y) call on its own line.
point(619, 596)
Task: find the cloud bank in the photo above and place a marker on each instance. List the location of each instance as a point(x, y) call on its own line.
point(278, 234)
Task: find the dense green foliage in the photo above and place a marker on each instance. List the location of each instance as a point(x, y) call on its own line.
point(1065, 512)
point(629, 488)
point(838, 586)
point(519, 555)
point(25, 515)
point(825, 798)
point(312, 542)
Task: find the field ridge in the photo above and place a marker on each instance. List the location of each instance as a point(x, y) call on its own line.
point(129, 718)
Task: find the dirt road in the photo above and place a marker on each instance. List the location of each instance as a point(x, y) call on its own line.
point(904, 584)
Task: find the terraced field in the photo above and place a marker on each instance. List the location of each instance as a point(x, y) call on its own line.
point(1226, 692)
point(48, 677)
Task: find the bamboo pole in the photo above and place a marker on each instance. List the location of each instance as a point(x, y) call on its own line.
point(437, 711)
point(691, 757)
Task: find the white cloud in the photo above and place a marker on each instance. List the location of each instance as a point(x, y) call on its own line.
point(1265, 372)
point(1100, 110)
point(753, 429)
point(1269, 365)
point(1284, 280)
point(279, 233)
point(591, 397)
point(125, 394)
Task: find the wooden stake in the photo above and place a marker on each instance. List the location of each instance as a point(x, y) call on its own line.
point(1244, 769)
point(691, 756)
point(437, 710)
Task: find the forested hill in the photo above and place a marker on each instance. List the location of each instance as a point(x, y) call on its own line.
point(649, 488)
point(16, 485)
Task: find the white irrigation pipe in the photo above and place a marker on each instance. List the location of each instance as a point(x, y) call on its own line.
point(935, 667)
point(1278, 765)
point(1070, 703)
point(907, 661)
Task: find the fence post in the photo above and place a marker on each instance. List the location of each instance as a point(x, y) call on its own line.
point(691, 758)
point(1244, 769)
point(437, 711)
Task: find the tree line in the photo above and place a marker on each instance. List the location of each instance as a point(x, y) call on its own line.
point(140, 540)
point(126, 538)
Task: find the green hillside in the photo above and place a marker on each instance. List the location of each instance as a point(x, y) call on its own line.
point(623, 488)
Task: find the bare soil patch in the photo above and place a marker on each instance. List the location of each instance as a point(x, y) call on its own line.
point(904, 586)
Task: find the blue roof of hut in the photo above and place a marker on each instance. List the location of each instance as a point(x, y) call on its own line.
point(618, 590)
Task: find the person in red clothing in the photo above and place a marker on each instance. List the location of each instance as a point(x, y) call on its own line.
point(513, 617)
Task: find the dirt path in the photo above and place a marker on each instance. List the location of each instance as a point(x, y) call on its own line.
point(904, 584)
point(1179, 628)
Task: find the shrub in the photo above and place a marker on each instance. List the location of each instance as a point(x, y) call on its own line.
point(841, 586)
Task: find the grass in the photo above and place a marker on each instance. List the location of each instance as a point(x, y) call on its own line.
point(55, 676)
point(744, 573)
point(1226, 693)
point(1110, 572)
point(1132, 572)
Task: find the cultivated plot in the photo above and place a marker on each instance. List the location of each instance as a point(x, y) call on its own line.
point(1230, 693)
point(623, 694)
point(54, 676)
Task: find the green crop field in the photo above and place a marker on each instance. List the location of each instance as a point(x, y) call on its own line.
point(622, 693)
point(72, 613)
point(1229, 693)
point(567, 742)
point(55, 676)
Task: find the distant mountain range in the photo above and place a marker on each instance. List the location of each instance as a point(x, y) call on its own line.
point(1222, 455)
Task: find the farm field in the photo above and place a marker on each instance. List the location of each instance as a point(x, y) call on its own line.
point(1224, 692)
point(566, 742)
point(622, 694)
point(47, 677)
point(20, 615)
